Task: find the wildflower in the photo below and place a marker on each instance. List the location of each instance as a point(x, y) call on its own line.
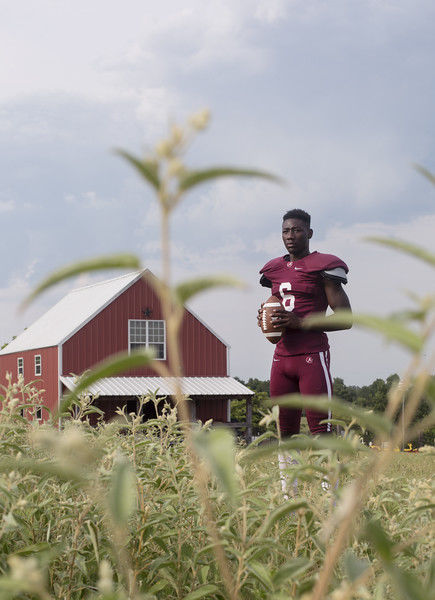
point(26, 570)
point(105, 581)
point(200, 120)
point(177, 135)
point(164, 149)
point(175, 167)
point(342, 592)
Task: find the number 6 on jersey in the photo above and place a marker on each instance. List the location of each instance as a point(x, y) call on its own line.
point(288, 300)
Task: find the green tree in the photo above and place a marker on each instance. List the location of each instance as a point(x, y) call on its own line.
point(259, 404)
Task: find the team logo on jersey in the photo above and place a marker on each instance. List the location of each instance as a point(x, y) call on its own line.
point(289, 264)
point(309, 360)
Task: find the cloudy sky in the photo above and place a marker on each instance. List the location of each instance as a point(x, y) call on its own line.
point(337, 97)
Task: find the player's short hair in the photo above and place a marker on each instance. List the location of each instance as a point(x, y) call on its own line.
point(298, 213)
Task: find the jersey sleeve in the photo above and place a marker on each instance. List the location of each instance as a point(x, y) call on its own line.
point(268, 271)
point(265, 282)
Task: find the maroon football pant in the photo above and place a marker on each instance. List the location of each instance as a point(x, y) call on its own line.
point(306, 374)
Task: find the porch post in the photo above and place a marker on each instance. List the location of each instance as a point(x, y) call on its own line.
point(249, 419)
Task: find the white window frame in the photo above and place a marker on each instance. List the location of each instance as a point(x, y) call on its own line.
point(147, 334)
point(20, 366)
point(38, 372)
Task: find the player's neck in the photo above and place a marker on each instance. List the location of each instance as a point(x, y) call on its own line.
point(299, 255)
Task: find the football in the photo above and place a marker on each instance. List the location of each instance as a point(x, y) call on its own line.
point(272, 334)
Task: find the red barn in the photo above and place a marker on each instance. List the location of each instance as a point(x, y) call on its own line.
point(93, 322)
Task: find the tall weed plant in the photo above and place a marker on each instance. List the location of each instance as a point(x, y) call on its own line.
point(170, 509)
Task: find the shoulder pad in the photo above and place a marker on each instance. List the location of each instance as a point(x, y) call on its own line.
point(324, 262)
point(338, 274)
point(272, 266)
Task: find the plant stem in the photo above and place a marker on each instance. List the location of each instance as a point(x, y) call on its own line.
point(172, 313)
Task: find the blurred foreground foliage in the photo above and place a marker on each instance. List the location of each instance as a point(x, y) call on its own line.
point(112, 512)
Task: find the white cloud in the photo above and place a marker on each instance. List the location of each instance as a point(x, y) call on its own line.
point(7, 205)
point(90, 199)
point(154, 107)
point(234, 204)
point(271, 11)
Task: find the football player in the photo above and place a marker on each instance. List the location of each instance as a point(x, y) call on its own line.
point(306, 283)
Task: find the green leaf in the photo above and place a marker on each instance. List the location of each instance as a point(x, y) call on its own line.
point(279, 513)
point(184, 291)
point(93, 534)
point(261, 438)
point(391, 328)
point(122, 493)
point(119, 363)
point(192, 178)
point(14, 586)
point(202, 591)
point(326, 442)
point(29, 465)
point(262, 574)
point(115, 261)
point(380, 540)
point(406, 247)
point(217, 448)
point(354, 566)
point(407, 586)
point(338, 422)
point(147, 168)
point(34, 549)
point(425, 172)
point(375, 422)
point(293, 567)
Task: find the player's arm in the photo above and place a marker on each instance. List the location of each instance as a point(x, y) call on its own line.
point(265, 282)
point(337, 300)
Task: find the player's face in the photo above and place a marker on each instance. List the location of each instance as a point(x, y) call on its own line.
point(296, 235)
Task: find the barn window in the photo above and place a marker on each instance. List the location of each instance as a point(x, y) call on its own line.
point(38, 412)
point(147, 334)
point(38, 364)
point(20, 366)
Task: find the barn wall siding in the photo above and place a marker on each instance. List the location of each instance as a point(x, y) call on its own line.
point(207, 407)
point(47, 381)
point(203, 354)
point(211, 407)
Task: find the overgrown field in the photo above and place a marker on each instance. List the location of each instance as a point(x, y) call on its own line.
point(113, 512)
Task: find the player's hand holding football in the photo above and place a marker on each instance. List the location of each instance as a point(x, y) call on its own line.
point(286, 319)
point(259, 314)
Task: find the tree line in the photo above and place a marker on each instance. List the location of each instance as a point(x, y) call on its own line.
point(372, 397)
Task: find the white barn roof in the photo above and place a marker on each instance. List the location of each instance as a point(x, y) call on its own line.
point(139, 386)
point(70, 314)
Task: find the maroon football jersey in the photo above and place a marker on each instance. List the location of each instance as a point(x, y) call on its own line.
point(300, 286)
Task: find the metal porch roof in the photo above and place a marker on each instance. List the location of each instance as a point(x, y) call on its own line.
point(138, 386)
